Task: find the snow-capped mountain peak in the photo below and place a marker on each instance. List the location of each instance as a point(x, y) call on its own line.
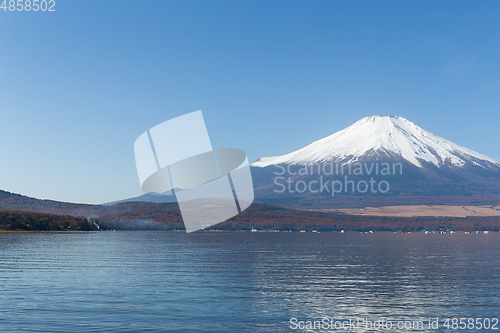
point(387, 135)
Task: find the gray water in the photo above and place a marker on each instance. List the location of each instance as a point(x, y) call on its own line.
point(144, 281)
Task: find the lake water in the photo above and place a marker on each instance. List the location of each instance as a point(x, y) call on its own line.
point(144, 281)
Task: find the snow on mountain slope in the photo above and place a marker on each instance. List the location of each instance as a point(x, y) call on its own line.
point(388, 135)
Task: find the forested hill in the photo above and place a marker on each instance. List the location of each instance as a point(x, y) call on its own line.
point(13, 201)
point(29, 221)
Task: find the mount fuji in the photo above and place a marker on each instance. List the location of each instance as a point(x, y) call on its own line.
point(429, 169)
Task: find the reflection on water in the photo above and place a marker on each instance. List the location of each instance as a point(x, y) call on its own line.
point(141, 281)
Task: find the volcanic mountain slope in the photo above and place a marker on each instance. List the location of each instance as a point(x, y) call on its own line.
point(378, 136)
point(420, 167)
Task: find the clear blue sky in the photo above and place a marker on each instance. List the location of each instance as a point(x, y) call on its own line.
point(79, 85)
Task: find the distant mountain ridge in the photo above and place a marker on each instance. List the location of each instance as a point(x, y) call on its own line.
point(146, 198)
point(166, 216)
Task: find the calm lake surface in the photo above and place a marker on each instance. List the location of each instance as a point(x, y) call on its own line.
point(145, 281)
